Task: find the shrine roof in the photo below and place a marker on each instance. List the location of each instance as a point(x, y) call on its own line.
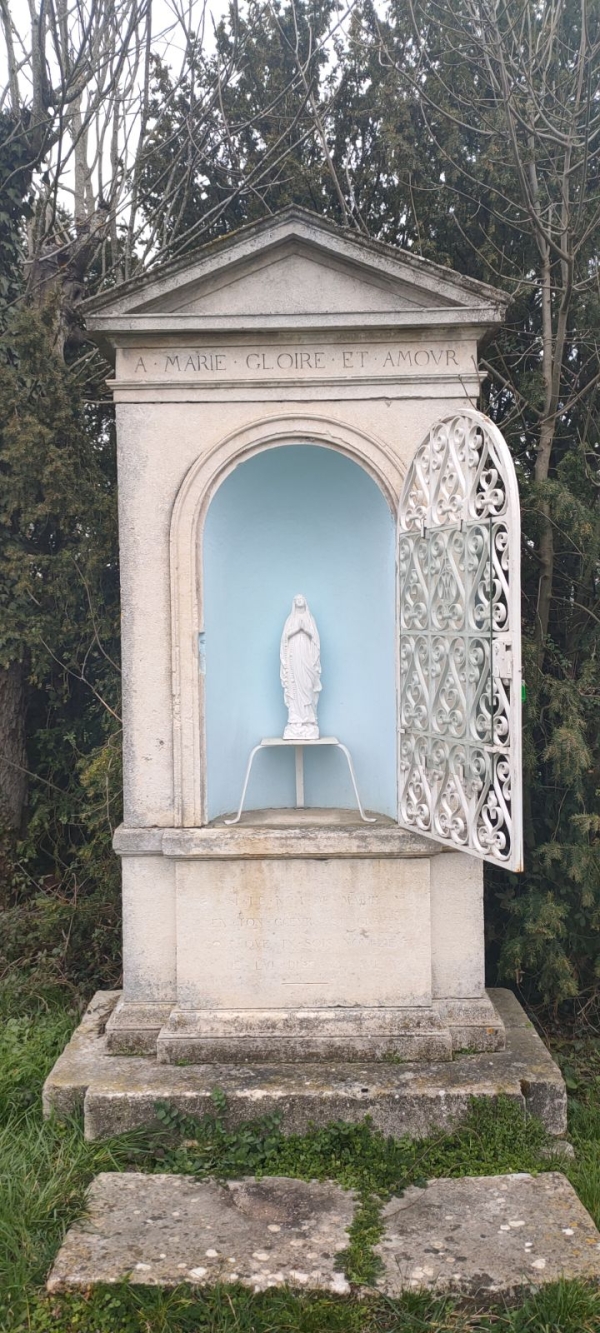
point(295, 270)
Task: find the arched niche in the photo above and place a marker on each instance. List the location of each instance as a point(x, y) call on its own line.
point(197, 490)
point(299, 517)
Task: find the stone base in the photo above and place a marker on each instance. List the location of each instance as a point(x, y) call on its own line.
point(119, 1093)
point(133, 1029)
point(288, 1036)
point(474, 1025)
point(300, 935)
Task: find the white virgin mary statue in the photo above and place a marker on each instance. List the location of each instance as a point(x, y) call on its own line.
point(300, 655)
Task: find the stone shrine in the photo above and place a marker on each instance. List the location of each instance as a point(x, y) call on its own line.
point(296, 414)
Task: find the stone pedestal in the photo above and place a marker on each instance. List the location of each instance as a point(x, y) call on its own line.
point(300, 935)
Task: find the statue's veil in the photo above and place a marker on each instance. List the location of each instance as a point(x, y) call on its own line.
point(299, 618)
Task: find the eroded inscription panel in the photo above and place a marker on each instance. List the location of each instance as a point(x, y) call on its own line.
point(294, 933)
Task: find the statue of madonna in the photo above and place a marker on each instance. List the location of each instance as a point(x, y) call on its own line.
point(300, 656)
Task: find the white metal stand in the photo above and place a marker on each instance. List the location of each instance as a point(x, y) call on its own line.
point(299, 747)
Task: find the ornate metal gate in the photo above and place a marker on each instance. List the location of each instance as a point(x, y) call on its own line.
point(460, 650)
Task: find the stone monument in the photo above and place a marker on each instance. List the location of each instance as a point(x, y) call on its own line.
point(296, 408)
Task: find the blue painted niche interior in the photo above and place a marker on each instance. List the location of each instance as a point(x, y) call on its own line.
point(299, 518)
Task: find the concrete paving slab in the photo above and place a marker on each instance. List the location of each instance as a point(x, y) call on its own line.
point(162, 1230)
point(490, 1235)
point(120, 1092)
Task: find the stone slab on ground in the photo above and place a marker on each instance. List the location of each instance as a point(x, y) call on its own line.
point(477, 1236)
point(119, 1093)
point(165, 1229)
point(487, 1235)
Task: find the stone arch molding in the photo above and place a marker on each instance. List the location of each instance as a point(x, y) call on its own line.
point(187, 613)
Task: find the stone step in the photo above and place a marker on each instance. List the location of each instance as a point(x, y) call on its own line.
point(487, 1235)
point(491, 1236)
point(119, 1093)
point(165, 1229)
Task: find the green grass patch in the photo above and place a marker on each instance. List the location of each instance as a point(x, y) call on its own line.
point(46, 1167)
point(496, 1137)
point(28, 1048)
point(564, 1307)
point(580, 1064)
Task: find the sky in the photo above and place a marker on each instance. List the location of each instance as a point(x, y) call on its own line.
point(171, 20)
point(163, 18)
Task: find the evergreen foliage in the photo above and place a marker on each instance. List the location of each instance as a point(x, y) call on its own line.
point(16, 170)
point(59, 611)
point(355, 138)
point(59, 886)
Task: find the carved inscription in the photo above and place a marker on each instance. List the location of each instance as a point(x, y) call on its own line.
point(210, 362)
point(421, 357)
point(297, 362)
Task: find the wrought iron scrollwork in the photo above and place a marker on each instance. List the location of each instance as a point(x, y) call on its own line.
point(458, 560)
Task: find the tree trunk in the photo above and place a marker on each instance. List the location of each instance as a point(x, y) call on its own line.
point(551, 358)
point(13, 783)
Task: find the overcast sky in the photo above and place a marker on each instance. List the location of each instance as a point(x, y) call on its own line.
point(163, 18)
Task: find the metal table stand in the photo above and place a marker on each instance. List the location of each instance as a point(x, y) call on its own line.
point(299, 747)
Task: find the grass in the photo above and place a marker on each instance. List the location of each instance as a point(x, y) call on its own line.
point(45, 1168)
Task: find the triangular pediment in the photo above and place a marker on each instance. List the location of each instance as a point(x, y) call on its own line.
point(292, 280)
point(295, 270)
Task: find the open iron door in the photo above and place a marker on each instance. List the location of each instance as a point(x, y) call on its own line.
point(460, 776)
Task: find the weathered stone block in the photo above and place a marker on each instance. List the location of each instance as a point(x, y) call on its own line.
point(165, 1229)
point(269, 1036)
point(492, 1235)
point(119, 1093)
